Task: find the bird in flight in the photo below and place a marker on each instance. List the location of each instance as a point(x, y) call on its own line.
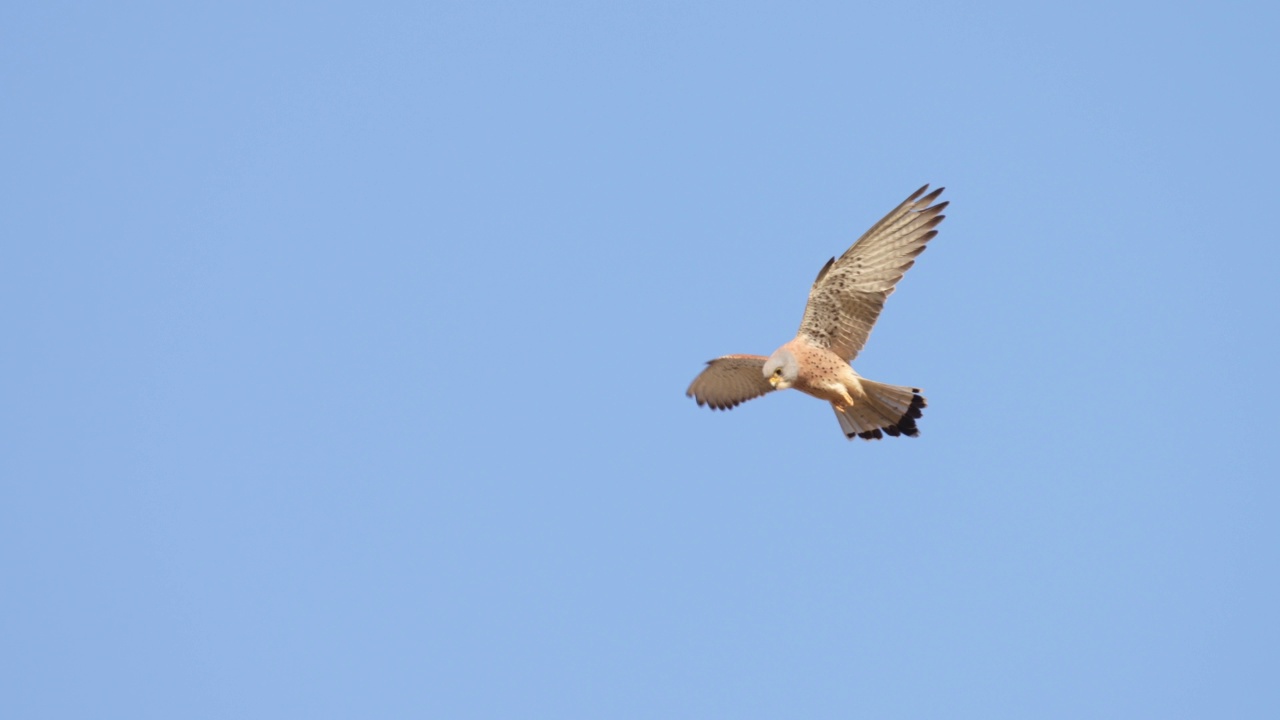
point(844, 303)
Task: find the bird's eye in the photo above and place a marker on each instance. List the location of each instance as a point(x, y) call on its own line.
point(778, 371)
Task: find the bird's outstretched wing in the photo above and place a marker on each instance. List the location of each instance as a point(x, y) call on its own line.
point(729, 381)
point(850, 290)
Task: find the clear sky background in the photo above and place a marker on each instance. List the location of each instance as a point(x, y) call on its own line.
point(345, 350)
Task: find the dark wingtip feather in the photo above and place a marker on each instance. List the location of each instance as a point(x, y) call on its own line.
point(931, 196)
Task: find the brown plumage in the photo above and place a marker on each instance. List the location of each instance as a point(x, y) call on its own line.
point(844, 304)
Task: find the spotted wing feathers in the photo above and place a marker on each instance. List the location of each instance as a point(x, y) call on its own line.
point(849, 293)
point(729, 381)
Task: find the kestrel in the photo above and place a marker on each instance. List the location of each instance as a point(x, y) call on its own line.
point(844, 303)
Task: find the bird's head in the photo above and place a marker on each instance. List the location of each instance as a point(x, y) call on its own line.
point(781, 369)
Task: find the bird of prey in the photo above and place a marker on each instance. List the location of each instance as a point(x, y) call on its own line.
point(844, 303)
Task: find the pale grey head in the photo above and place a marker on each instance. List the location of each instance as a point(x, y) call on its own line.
point(781, 369)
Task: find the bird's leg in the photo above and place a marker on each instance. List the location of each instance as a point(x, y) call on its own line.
point(846, 400)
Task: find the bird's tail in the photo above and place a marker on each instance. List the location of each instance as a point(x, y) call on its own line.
point(882, 410)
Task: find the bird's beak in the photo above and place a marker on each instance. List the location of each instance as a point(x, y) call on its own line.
point(773, 380)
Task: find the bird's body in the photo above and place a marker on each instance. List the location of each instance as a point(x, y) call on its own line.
point(844, 303)
point(824, 374)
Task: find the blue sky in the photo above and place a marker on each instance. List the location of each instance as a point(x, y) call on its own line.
point(346, 348)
